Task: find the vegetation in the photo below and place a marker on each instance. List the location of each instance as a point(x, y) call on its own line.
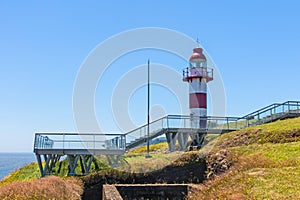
point(134, 160)
point(26, 173)
point(266, 164)
point(282, 131)
point(51, 187)
point(261, 162)
point(160, 147)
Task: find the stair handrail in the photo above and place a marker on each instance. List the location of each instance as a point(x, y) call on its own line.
point(262, 110)
point(270, 107)
point(143, 126)
point(172, 116)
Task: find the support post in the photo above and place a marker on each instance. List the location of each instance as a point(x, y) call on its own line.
point(85, 163)
point(38, 157)
point(73, 159)
point(148, 110)
point(50, 162)
point(182, 140)
point(171, 139)
point(113, 160)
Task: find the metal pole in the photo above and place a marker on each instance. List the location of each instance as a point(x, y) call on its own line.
point(148, 110)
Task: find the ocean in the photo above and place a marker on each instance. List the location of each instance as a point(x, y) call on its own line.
point(9, 162)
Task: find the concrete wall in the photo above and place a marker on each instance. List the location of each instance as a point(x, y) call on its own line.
point(145, 191)
point(110, 192)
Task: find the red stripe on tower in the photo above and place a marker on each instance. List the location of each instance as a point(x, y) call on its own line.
point(198, 100)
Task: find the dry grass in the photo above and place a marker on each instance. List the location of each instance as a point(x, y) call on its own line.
point(266, 164)
point(51, 187)
point(254, 176)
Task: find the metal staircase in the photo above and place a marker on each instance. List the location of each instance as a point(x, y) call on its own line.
point(173, 124)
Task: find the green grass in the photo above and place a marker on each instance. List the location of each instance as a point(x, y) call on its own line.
point(32, 172)
point(268, 171)
point(28, 172)
point(266, 164)
point(285, 152)
point(282, 131)
point(138, 163)
point(134, 161)
point(63, 170)
point(160, 147)
point(274, 183)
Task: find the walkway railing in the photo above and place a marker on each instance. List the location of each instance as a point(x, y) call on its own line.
point(82, 146)
point(79, 141)
point(180, 123)
point(92, 141)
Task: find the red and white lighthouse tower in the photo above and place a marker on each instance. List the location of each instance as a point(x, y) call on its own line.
point(198, 75)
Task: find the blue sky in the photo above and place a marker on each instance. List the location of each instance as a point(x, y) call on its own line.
point(255, 45)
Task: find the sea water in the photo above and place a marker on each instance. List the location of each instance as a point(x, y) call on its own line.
point(9, 162)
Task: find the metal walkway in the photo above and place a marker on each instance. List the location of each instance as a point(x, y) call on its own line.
point(176, 128)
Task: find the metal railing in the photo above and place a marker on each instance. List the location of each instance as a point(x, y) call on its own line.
point(80, 141)
point(184, 122)
point(201, 72)
point(273, 112)
point(65, 141)
point(166, 123)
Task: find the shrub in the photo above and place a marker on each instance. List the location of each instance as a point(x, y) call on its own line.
point(50, 187)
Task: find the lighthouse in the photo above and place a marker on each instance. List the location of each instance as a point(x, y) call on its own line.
point(197, 75)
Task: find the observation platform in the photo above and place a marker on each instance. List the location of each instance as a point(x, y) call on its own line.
point(81, 147)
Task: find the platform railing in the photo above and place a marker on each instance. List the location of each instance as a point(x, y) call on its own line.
point(161, 125)
point(80, 141)
point(65, 141)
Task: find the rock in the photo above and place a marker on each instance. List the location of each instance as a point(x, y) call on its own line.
point(217, 163)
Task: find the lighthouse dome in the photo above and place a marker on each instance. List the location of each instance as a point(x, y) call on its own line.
point(197, 55)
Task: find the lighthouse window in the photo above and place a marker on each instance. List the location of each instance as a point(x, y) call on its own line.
point(193, 64)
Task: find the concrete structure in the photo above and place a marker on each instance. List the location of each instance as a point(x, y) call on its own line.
point(146, 191)
point(198, 75)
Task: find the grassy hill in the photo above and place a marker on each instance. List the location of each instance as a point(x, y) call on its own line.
point(266, 164)
point(26, 173)
point(261, 162)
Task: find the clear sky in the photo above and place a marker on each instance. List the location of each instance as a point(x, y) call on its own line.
point(255, 45)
